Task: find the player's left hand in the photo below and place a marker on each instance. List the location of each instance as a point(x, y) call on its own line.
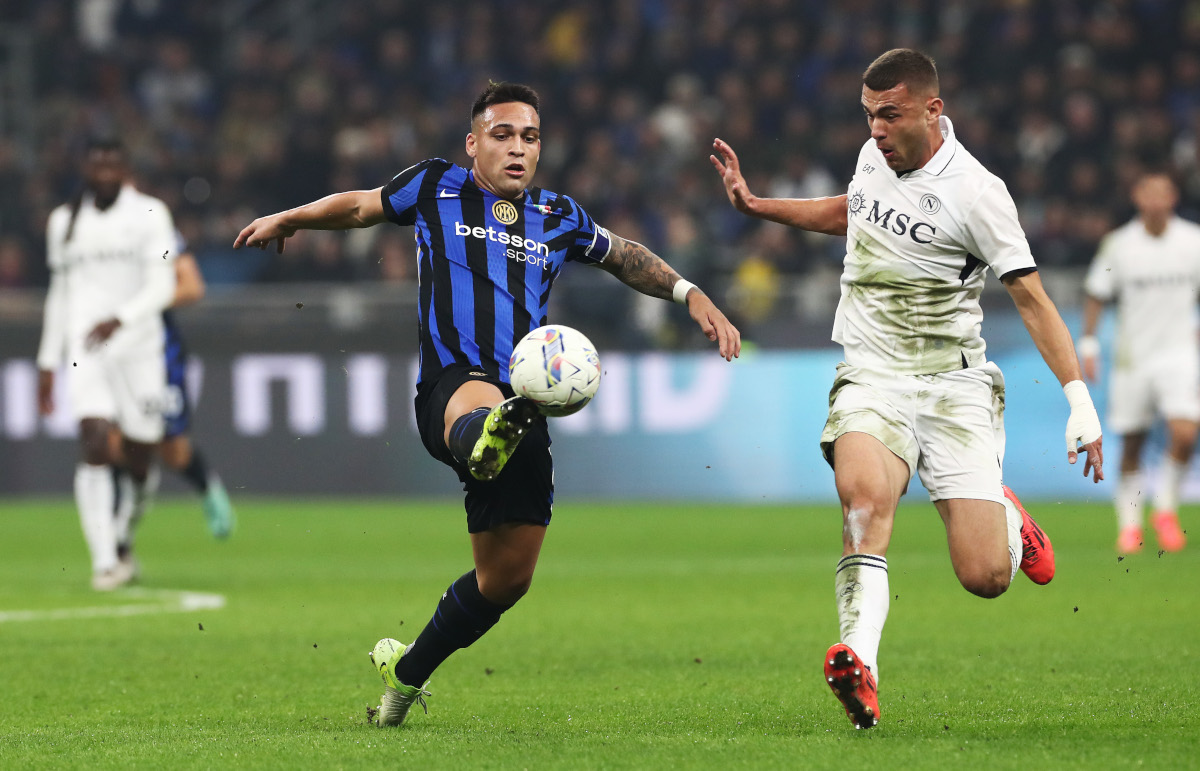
point(714, 325)
point(263, 231)
point(1083, 435)
point(101, 332)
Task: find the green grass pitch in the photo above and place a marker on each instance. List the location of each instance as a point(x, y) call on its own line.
point(655, 636)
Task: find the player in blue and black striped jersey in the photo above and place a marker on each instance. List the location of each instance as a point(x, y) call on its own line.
point(489, 247)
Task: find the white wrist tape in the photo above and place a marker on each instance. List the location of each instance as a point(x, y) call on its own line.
point(1077, 394)
point(1083, 425)
point(1088, 347)
point(682, 287)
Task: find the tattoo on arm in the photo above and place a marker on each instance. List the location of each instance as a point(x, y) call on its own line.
point(640, 268)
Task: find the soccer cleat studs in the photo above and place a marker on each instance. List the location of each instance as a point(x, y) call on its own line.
point(853, 684)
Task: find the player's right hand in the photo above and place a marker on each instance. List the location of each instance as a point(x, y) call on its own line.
point(46, 391)
point(731, 174)
point(263, 231)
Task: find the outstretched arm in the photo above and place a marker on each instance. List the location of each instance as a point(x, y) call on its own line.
point(1053, 341)
point(645, 271)
point(820, 215)
point(340, 211)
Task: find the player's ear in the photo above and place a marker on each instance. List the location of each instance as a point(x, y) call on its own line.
point(935, 107)
point(471, 144)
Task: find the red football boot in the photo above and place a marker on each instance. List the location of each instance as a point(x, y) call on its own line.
point(854, 685)
point(1037, 553)
point(1166, 527)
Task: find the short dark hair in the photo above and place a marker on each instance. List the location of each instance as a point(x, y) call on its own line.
point(501, 93)
point(902, 65)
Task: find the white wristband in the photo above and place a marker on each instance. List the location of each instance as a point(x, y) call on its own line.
point(1088, 347)
point(1077, 394)
point(680, 292)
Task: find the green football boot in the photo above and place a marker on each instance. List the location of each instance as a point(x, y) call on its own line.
point(505, 427)
point(218, 511)
point(397, 697)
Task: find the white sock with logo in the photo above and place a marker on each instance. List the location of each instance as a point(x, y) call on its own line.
point(1128, 500)
point(94, 492)
point(861, 590)
point(1166, 497)
point(1013, 520)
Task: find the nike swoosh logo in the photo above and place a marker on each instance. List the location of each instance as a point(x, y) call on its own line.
point(445, 194)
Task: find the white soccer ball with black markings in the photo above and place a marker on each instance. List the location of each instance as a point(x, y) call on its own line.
point(557, 367)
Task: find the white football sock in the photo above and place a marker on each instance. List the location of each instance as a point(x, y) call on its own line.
point(1166, 497)
point(94, 498)
point(1012, 520)
point(861, 591)
point(1128, 500)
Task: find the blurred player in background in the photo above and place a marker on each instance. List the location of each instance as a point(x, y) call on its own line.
point(1150, 267)
point(177, 450)
point(489, 248)
point(111, 253)
point(923, 222)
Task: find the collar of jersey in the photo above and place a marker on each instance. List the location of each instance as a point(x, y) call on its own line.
point(941, 159)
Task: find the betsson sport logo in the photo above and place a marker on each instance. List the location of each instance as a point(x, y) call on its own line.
point(520, 249)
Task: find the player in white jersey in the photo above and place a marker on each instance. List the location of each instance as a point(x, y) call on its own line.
point(923, 222)
point(1150, 268)
point(111, 254)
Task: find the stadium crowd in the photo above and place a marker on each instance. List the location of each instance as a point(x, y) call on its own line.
point(232, 109)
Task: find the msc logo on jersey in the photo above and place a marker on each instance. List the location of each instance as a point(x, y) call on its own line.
point(930, 204)
point(504, 212)
point(855, 203)
point(903, 223)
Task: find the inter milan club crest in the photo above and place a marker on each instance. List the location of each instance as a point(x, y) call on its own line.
point(930, 204)
point(504, 212)
point(856, 202)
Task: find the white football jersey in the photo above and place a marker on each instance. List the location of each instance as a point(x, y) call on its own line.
point(1155, 281)
point(118, 263)
point(918, 246)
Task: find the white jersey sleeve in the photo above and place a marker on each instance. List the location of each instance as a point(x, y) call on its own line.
point(993, 233)
point(159, 250)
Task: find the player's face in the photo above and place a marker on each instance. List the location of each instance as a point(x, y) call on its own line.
point(904, 125)
point(1155, 197)
point(505, 141)
point(104, 173)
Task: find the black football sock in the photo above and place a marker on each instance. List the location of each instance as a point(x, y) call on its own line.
point(462, 617)
point(197, 472)
point(465, 433)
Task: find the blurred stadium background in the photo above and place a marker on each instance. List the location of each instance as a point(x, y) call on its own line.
point(304, 363)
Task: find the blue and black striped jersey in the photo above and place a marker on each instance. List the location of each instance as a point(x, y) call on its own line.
point(485, 264)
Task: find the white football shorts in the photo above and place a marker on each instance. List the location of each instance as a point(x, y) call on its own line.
point(948, 427)
point(1169, 387)
point(127, 390)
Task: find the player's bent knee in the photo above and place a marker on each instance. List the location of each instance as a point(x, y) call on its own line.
point(988, 584)
point(504, 590)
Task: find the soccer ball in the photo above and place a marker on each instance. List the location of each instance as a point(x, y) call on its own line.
point(557, 367)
